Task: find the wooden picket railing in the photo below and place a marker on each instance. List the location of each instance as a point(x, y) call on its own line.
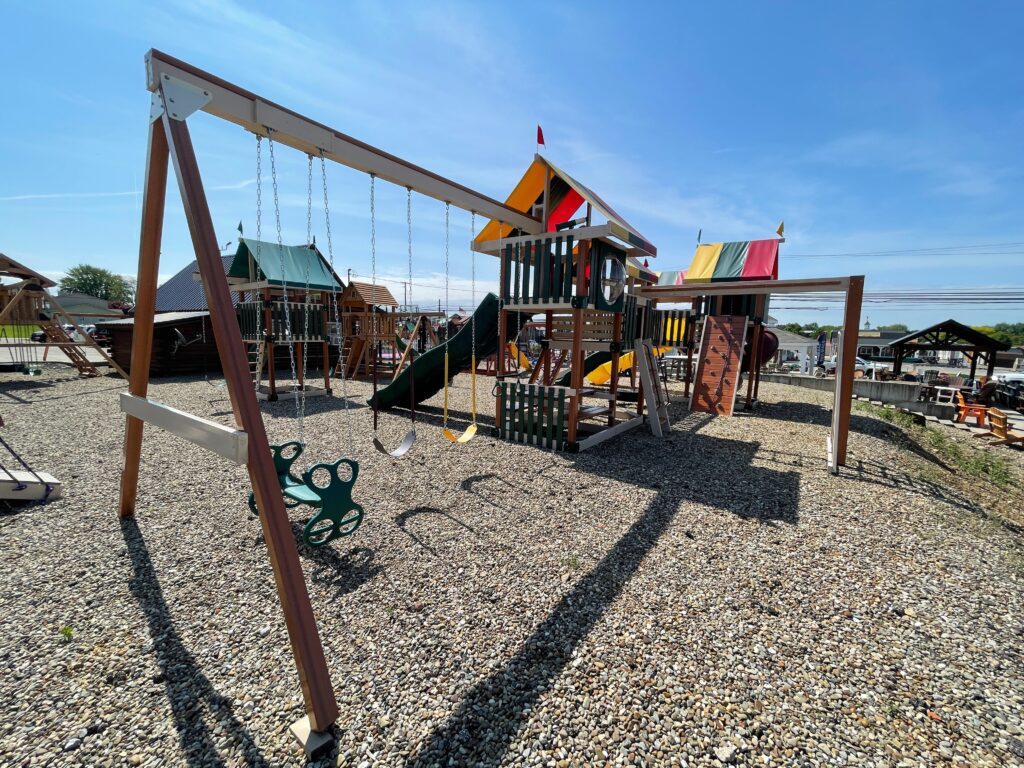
point(306, 320)
point(532, 414)
point(539, 272)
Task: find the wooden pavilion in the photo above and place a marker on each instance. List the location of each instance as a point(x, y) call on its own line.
point(950, 336)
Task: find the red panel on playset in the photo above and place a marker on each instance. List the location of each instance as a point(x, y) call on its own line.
point(565, 209)
point(762, 261)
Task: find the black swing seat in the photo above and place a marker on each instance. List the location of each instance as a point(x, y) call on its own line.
point(338, 515)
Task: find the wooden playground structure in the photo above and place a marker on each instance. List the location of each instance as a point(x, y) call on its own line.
point(580, 275)
point(26, 305)
point(369, 328)
point(178, 92)
point(576, 275)
point(285, 297)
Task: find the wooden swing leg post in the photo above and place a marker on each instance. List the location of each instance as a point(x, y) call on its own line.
point(320, 704)
point(145, 307)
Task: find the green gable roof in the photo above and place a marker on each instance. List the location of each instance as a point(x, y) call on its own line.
point(296, 260)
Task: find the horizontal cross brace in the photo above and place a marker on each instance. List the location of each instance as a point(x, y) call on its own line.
point(232, 444)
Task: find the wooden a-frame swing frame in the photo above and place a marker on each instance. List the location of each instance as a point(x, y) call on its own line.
point(178, 91)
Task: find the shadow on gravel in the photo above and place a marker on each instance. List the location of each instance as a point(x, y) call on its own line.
point(196, 706)
point(479, 731)
point(285, 409)
point(404, 518)
point(343, 572)
point(704, 469)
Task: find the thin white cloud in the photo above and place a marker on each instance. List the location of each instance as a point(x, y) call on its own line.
point(133, 193)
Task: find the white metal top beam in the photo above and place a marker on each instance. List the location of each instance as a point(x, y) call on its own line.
point(241, 107)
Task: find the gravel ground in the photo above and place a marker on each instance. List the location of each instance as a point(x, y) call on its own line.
point(715, 598)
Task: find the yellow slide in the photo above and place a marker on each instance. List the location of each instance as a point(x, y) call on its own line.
point(603, 373)
point(519, 357)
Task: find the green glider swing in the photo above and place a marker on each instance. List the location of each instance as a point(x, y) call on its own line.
point(337, 514)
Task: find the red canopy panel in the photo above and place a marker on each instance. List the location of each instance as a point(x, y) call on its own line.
point(762, 261)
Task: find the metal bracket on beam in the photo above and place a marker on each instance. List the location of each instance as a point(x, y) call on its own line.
point(182, 99)
point(156, 107)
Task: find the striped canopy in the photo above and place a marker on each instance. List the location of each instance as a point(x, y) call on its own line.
point(745, 260)
point(567, 197)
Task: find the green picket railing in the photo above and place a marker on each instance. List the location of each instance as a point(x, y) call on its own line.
point(538, 272)
point(307, 321)
point(532, 413)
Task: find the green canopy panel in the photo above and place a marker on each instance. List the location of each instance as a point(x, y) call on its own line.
point(293, 266)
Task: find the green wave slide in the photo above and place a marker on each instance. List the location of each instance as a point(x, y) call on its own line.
point(429, 367)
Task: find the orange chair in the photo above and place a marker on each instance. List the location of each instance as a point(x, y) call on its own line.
point(999, 428)
point(965, 410)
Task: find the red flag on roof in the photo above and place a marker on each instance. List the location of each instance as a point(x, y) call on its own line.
point(540, 136)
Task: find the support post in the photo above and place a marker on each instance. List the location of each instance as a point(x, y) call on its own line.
point(145, 307)
point(576, 361)
point(851, 328)
point(314, 678)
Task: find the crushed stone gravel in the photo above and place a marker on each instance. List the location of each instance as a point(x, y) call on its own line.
point(714, 598)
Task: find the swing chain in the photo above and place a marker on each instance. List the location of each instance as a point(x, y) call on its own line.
point(259, 232)
point(305, 304)
point(334, 301)
point(408, 226)
point(284, 287)
point(372, 324)
point(472, 318)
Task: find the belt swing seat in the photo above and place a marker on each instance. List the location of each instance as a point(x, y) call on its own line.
point(470, 432)
point(410, 437)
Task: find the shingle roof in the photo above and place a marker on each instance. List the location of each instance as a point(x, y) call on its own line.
point(373, 294)
point(183, 293)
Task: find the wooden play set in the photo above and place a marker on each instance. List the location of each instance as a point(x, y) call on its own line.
point(286, 297)
point(586, 279)
point(27, 305)
point(581, 277)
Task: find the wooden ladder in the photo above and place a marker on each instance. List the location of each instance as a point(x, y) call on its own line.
point(55, 334)
point(354, 357)
point(718, 365)
point(655, 390)
point(256, 361)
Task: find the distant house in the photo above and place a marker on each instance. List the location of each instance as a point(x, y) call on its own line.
point(87, 309)
point(874, 345)
point(184, 292)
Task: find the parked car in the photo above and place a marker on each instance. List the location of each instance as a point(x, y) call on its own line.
point(38, 336)
point(862, 365)
point(101, 336)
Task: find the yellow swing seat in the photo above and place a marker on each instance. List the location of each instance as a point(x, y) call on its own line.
point(470, 431)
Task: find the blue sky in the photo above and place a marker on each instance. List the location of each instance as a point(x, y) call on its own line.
point(868, 127)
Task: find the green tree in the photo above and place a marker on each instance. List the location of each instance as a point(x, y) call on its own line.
point(894, 327)
point(98, 282)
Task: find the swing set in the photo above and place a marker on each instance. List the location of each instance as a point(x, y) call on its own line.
point(179, 90)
